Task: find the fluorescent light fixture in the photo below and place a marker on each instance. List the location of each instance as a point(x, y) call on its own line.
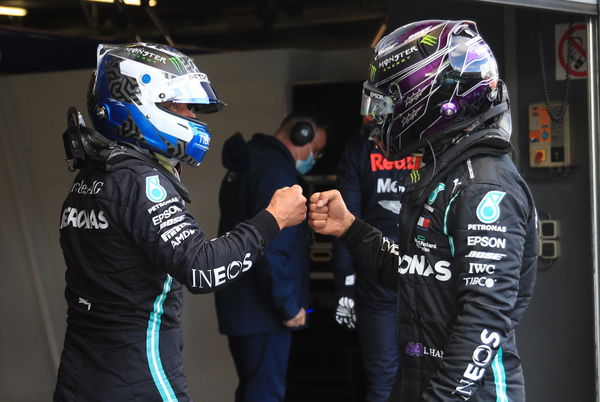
point(13, 11)
point(151, 3)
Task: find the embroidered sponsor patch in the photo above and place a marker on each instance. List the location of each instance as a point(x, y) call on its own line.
point(154, 191)
point(488, 210)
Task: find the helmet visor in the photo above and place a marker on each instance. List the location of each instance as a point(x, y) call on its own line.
point(471, 57)
point(193, 89)
point(375, 105)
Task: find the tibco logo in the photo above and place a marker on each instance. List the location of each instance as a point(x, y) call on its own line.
point(479, 281)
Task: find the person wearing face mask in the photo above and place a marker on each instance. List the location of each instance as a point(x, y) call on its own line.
point(259, 312)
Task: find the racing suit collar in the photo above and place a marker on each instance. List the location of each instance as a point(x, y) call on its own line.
point(489, 141)
point(126, 156)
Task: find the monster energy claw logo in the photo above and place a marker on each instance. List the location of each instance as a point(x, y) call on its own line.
point(178, 64)
point(429, 40)
point(372, 73)
point(415, 176)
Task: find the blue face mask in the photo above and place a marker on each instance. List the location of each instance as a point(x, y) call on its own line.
point(303, 166)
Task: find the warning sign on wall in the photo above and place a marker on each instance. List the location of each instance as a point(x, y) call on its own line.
point(578, 43)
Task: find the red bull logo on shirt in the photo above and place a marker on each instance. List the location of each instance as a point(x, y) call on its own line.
point(379, 162)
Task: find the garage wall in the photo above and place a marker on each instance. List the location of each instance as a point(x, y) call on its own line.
point(556, 335)
point(35, 180)
point(555, 338)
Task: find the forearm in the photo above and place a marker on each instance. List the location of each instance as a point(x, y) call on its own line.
point(373, 252)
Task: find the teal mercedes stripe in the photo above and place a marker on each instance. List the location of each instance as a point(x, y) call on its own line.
point(499, 377)
point(450, 240)
point(152, 346)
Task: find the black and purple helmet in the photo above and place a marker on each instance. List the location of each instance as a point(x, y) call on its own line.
point(426, 80)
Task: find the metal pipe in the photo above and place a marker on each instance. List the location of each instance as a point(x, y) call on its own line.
point(594, 150)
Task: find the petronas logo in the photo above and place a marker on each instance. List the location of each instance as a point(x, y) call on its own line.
point(178, 64)
point(372, 73)
point(429, 40)
point(415, 176)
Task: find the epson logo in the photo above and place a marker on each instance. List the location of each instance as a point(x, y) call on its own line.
point(481, 356)
point(82, 219)
point(485, 255)
point(211, 278)
point(166, 214)
point(388, 186)
point(418, 265)
point(478, 268)
point(486, 241)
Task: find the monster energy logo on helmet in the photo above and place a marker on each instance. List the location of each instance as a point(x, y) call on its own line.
point(429, 40)
point(178, 64)
point(372, 73)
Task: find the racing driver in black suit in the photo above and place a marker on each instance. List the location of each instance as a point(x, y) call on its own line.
point(128, 241)
point(464, 265)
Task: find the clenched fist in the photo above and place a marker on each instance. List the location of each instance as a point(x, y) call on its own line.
point(298, 321)
point(288, 206)
point(328, 213)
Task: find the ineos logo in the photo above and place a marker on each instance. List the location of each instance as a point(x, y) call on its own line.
point(481, 356)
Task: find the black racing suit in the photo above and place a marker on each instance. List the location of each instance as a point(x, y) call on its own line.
point(371, 187)
point(129, 245)
point(464, 269)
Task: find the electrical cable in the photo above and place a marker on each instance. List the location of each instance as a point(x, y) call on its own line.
point(558, 116)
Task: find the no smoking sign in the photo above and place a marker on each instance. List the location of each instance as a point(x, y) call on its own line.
point(578, 60)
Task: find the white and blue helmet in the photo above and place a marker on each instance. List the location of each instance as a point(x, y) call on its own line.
point(128, 86)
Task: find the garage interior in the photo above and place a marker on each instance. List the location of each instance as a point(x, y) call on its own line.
point(265, 58)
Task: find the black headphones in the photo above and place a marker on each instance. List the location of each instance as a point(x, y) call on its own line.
point(302, 133)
